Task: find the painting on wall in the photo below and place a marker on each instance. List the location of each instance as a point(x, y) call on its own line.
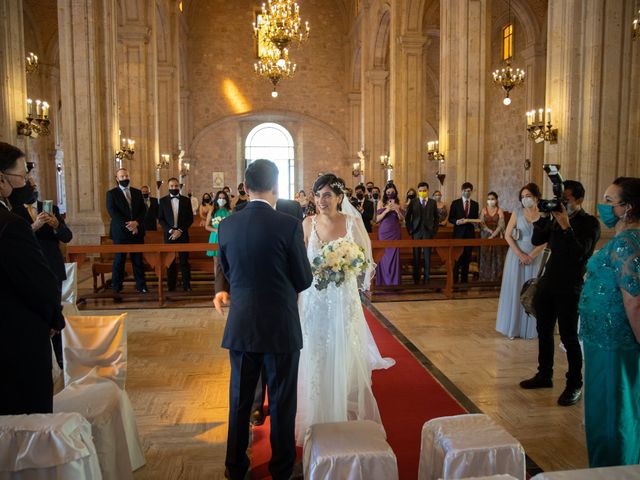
point(218, 180)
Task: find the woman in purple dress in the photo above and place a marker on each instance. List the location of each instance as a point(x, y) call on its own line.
point(389, 216)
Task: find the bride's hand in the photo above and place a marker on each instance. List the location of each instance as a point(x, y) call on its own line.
point(221, 298)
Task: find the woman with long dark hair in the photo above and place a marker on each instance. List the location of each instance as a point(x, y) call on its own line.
point(221, 209)
point(389, 216)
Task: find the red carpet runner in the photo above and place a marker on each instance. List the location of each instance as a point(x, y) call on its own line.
point(407, 396)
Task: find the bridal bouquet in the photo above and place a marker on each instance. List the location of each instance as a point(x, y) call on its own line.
point(215, 221)
point(337, 261)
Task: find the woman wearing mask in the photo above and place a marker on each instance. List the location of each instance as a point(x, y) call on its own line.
point(242, 197)
point(522, 263)
point(389, 216)
point(610, 330)
point(443, 213)
point(30, 299)
point(220, 210)
point(411, 194)
point(206, 206)
point(492, 226)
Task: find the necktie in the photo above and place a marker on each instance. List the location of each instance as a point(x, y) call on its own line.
point(422, 202)
point(466, 208)
point(32, 214)
point(127, 195)
point(147, 202)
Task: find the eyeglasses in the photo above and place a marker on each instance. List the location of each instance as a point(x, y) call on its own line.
point(23, 177)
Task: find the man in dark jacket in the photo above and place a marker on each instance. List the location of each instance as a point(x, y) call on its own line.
point(462, 211)
point(151, 214)
point(422, 223)
point(364, 206)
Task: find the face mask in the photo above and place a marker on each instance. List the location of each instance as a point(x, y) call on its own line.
point(23, 195)
point(359, 195)
point(528, 202)
point(491, 203)
point(241, 192)
point(391, 195)
point(221, 202)
point(411, 196)
point(606, 215)
point(174, 191)
point(124, 183)
point(437, 198)
point(466, 195)
point(206, 201)
point(423, 195)
point(376, 196)
point(145, 195)
point(369, 189)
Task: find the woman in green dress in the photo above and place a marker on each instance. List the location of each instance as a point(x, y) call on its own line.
point(610, 330)
point(221, 209)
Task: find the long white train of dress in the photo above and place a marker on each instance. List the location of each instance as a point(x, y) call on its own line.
point(338, 353)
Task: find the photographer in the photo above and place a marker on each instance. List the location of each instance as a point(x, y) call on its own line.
point(571, 234)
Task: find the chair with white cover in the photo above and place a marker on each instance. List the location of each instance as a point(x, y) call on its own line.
point(69, 294)
point(95, 360)
point(623, 472)
point(463, 446)
point(47, 446)
point(354, 450)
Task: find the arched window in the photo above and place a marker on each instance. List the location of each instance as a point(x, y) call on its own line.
point(273, 142)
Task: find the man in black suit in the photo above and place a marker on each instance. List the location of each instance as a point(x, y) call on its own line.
point(266, 273)
point(50, 230)
point(364, 206)
point(422, 223)
point(290, 207)
point(462, 210)
point(126, 208)
point(151, 214)
point(29, 296)
point(175, 217)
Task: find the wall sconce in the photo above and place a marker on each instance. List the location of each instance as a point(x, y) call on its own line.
point(385, 162)
point(433, 153)
point(127, 150)
point(636, 26)
point(37, 125)
point(536, 128)
point(59, 168)
point(184, 168)
point(31, 65)
point(356, 172)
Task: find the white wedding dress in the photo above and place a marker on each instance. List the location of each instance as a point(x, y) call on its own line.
point(339, 352)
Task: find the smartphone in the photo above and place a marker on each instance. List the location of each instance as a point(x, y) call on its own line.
point(47, 206)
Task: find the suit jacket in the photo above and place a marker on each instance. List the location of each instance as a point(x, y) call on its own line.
point(30, 301)
point(121, 213)
point(49, 239)
point(283, 205)
point(185, 218)
point(151, 214)
point(367, 213)
point(422, 222)
point(456, 212)
point(266, 272)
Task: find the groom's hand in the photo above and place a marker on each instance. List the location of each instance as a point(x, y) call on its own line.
point(221, 298)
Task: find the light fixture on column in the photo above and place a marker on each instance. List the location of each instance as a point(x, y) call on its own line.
point(356, 172)
point(274, 64)
point(538, 130)
point(126, 151)
point(358, 167)
point(433, 153)
point(31, 64)
point(387, 165)
point(507, 77)
point(35, 125)
point(636, 25)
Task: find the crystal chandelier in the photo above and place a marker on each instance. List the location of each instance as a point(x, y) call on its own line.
point(280, 24)
point(508, 77)
point(274, 64)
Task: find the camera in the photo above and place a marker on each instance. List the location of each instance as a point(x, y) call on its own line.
point(554, 204)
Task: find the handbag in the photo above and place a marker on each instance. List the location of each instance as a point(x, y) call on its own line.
point(530, 287)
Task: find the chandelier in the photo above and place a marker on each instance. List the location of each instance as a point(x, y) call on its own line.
point(280, 24)
point(508, 77)
point(274, 64)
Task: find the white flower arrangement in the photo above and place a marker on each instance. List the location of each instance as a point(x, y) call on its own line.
point(215, 221)
point(338, 260)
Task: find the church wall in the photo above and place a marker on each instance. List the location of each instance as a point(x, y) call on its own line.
point(222, 81)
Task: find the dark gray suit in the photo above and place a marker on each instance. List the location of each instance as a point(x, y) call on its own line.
point(422, 224)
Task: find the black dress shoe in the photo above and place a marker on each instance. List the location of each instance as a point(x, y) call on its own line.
point(570, 396)
point(142, 290)
point(257, 418)
point(187, 289)
point(536, 382)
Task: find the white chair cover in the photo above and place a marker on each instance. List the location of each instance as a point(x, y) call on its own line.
point(466, 446)
point(43, 447)
point(493, 477)
point(113, 424)
point(56, 373)
point(626, 472)
point(348, 450)
point(70, 285)
point(95, 345)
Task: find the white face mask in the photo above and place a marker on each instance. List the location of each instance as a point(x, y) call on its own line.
point(528, 202)
point(491, 203)
point(221, 202)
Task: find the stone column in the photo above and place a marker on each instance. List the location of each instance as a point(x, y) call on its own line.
point(13, 87)
point(87, 30)
point(407, 119)
point(535, 60)
point(374, 110)
point(463, 77)
point(353, 138)
point(592, 71)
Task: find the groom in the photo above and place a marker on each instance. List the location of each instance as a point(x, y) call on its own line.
point(265, 274)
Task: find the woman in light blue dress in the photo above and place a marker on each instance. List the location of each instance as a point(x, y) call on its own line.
point(610, 330)
point(522, 263)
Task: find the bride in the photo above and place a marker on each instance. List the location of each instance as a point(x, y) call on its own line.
point(339, 352)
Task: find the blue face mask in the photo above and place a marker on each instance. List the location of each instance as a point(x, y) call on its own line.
point(606, 215)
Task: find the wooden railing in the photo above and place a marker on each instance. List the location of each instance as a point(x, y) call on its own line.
point(160, 256)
